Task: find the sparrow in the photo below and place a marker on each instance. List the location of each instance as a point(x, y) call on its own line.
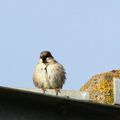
point(48, 73)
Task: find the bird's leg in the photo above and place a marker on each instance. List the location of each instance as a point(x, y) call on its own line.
point(57, 90)
point(44, 90)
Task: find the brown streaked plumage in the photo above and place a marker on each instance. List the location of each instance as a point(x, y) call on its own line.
point(48, 73)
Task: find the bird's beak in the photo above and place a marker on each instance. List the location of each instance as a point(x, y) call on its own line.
point(43, 58)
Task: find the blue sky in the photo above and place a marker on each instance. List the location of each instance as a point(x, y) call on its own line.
point(83, 35)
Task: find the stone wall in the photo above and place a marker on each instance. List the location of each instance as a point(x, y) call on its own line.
point(100, 87)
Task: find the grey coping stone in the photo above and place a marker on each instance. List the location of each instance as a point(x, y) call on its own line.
point(116, 82)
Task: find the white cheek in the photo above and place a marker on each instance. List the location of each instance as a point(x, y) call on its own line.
point(47, 59)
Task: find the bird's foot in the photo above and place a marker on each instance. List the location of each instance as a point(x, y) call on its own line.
point(44, 90)
point(57, 90)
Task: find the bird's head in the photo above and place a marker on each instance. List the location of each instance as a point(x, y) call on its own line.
point(45, 56)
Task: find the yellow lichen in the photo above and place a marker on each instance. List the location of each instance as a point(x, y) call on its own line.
point(100, 87)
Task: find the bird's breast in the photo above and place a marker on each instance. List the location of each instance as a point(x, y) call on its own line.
point(49, 76)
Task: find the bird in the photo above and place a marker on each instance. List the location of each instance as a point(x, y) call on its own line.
point(48, 73)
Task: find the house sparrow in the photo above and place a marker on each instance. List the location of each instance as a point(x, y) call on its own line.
point(48, 73)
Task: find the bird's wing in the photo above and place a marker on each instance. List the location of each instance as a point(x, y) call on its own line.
point(56, 74)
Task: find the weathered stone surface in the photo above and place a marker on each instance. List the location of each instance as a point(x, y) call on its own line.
point(117, 91)
point(100, 87)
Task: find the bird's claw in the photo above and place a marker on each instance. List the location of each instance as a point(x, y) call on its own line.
point(44, 90)
point(57, 90)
